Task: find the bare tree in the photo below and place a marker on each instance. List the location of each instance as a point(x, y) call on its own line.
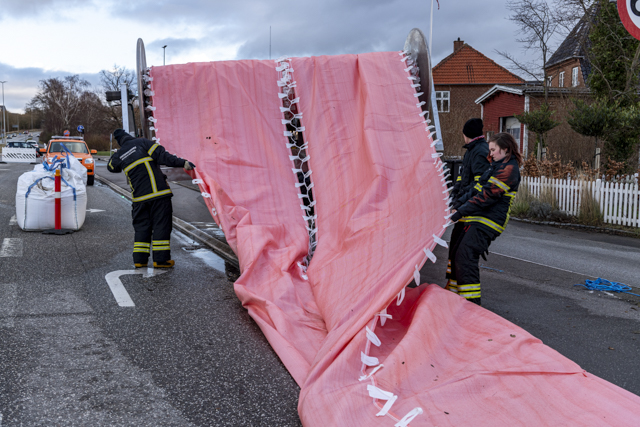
point(111, 80)
point(539, 25)
point(60, 101)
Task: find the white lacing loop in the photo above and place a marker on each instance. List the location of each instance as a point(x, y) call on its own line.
point(206, 195)
point(373, 371)
point(384, 316)
point(197, 181)
point(416, 276)
point(369, 360)
point(400, 297)
point(430, 255)
point(214, 211)
point(372, 337)
point(380, 394)
point(149, 92)
point(439, 241)
point(404, 422)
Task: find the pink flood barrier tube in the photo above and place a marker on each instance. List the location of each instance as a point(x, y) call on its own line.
point(380, 205)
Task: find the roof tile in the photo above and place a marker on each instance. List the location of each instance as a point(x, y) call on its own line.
point(468, 66)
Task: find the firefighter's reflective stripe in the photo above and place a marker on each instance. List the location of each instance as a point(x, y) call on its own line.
point(152, 179)
point(161, 245)
point(141, 247)
point(452, 285)
point(499, 184)
point(485, 221)
point(477, 177)
point(471, 291)
point(459, 178)
point(478, 187)
point(151, 196)
point(153, 148)
point(449, 267)
point(138, 162)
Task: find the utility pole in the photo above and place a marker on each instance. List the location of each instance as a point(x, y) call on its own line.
point(164, 56)
point(4, 121)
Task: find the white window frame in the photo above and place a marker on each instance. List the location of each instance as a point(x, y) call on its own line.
point(441, 97)
point(574, 77)
point(561, 79)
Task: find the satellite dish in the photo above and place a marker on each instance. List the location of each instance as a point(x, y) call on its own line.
point(141, 61)
point(416, 46)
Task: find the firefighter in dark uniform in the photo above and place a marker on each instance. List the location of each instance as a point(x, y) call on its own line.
point(474, 163)
point(484, 213)
point(140, 159)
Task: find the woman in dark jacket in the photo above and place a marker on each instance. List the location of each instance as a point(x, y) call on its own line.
point(484, 210)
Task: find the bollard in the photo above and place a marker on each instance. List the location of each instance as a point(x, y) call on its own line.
point(57, 194)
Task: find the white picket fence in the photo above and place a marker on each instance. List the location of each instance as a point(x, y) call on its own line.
point(619, 201)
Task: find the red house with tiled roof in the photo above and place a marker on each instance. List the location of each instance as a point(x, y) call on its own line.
point(459, 80)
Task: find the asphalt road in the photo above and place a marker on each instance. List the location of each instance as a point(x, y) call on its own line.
point(188, 354)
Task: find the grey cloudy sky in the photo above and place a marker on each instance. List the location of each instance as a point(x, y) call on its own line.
point(49, 38)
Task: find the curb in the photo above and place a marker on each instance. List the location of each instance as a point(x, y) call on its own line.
point(578, 226)
point(221, 249)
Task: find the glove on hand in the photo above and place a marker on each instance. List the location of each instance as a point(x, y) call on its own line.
point(188, 165)
point(456, 217)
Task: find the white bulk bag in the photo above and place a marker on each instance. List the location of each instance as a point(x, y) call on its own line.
point(69, 162)
point(35, 199)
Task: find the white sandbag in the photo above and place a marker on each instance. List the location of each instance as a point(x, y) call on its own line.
point(71, 163)
point(35, 199)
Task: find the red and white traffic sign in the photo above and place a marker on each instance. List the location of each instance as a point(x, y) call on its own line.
point(629, 11)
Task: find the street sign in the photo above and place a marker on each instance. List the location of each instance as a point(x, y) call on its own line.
point(81, 129)
point(629, 11)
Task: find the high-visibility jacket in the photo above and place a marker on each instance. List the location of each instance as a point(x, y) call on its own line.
point(140, 159)
point(474, 163)
point(488, 203)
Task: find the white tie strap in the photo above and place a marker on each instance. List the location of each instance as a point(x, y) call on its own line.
point(369, 360)
point(400, 297)
point(197, 181)
point(206, 195)
point(371, 336)
point(366, 377)
point(404, 422)
point(380, 394)
point(416, 276)
point(439, 241)
point(430, 255)
point(384, 316)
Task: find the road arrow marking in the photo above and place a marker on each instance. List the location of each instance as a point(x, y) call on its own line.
point(117, 288)
point(95, 210)
point(13, 220)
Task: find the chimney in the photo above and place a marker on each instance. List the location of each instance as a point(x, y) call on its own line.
point(457, 44)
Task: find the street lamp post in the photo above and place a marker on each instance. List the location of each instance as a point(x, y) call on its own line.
point(4, 122)
point(164, 56)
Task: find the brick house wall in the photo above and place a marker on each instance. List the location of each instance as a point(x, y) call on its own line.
point(502, 104)
point(567, 67)
point(462, 107)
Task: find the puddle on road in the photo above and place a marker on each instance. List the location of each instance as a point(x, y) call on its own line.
point(209, 258)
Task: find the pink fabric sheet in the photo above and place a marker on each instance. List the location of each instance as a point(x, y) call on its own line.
point(380, 204)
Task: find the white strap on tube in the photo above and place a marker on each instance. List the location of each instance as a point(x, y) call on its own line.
point(400, 297)
point(404, 422)
point(430, 255)
point(447, 224)
point(206, 195)
point(417, 94)
point(369, 360)
point(423, 113)
point(150, 108)
point(449, 216)
point(384, 316)
point(433, 144)
point(439, 241)
point(214, 211)
point(371, 336)
point(366, 377)
point(379, 394)
point(416, 276)
point(420, 104)
point(404, 52)
point(434, 155)
point(415, 85)
point(447, 190)
point(197, 181)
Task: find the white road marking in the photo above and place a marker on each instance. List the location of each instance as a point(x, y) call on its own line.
point(543, 265)
point(95, 210)
point(8, 296)
point(13, 220)
point(117, 288)
point(11, 247)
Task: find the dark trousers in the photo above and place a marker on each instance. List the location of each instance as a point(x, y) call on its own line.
point(471, 241)
point(152, 219)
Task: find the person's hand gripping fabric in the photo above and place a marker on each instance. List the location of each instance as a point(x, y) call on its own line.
point(188, 165)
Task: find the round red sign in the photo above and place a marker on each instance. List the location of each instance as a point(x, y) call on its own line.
point(629, 11)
